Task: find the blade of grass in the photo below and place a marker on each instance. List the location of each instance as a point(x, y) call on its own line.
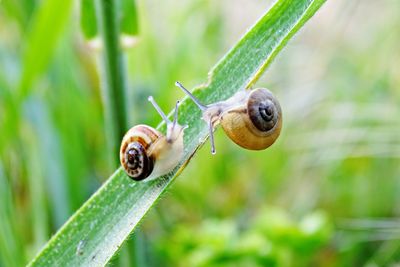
point(129, 18)
point(129, 23)
point(51, 157)
point(97, 230)
point(39, 216)
point(88, 19)
point(11, 251)
point(46, 29)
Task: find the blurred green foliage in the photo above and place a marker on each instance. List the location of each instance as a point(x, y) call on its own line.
point(270, 238)
point(326, 194)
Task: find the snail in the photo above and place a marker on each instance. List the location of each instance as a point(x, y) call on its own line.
point(146, 153)
point(251, 118)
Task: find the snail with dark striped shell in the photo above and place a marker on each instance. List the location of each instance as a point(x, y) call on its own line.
point(146, 153)
point(251, 118)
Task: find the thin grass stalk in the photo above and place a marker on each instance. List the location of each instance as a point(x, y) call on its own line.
point(114, 78)
point(114, 94)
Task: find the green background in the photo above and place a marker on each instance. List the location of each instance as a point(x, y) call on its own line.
point(325, 194)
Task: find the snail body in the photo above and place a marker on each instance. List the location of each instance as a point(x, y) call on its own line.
point(145, 153)
point(251, 118)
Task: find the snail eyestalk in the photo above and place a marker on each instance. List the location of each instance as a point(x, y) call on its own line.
point(195, 100)
point(203, 108)
point(210, 125)
point(175, 114)
point(173, 129)
point(162, 114)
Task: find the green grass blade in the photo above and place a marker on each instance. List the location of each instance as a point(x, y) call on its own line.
point(11, 251)
point(46, 29)
point(55, 181)
point(88, 19)
point(129, 18)
point(96, 231)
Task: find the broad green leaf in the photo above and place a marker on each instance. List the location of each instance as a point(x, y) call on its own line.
point(96, 231)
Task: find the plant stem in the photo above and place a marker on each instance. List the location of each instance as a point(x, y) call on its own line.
point(114, 92)
point(114, 78)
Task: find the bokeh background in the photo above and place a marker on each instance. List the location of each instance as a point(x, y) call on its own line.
point(326, 194)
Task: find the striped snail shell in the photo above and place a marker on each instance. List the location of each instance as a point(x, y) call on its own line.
point(145, 153)
point(134, 156)
point(251, 118)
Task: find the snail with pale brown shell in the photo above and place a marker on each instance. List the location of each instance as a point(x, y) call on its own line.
point(146, 153)
point(251, 118)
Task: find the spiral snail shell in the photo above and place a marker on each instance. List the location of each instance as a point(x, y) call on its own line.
point(251, 118)
point(145, 153)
